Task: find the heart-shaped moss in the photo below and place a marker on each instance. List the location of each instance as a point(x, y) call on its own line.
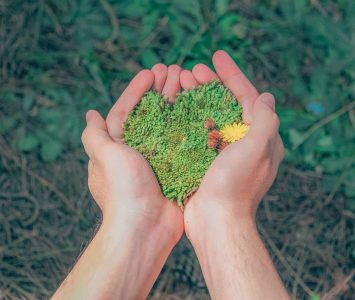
point(180, 141)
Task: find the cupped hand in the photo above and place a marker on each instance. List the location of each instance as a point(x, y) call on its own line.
point(242, 173)
point(120, 179)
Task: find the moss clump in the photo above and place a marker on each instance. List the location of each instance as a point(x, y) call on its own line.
point(173, 138)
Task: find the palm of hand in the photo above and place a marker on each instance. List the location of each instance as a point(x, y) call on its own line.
point(120, 179)
point(242, 172)
point(238, 177)
point(124, 172)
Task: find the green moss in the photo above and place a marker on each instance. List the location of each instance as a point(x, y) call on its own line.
point(173, 138)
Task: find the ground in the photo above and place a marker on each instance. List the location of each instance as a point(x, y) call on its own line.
point(60, 58)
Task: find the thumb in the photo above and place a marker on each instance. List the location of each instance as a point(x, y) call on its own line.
point(268, 99)
point(94, 119)
point(95, 134)
point(265, 120)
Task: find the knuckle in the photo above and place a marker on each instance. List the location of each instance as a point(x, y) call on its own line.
point(266, 143)
point(267, 162)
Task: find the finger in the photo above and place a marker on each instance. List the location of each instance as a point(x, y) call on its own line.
point(187, 80)
point(234, 79)
point(160, 73)
point(172, 85)
point(204, 74)
point(95, 134)
point(118, 114)
point(265, 121)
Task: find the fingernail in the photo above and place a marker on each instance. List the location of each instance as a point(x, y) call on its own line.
point(269, 100)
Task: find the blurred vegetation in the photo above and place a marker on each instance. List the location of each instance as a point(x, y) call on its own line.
point(60, 58)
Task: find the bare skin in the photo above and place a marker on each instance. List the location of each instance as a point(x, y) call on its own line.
point(220, 217)
point(140, 227)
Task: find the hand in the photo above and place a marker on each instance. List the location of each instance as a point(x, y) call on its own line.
point(140, 227)
point(243, 172)
point(220, 217)
point(120, 179)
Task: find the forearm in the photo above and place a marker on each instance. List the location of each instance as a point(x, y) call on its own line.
point(119, 263)
point(234, 261)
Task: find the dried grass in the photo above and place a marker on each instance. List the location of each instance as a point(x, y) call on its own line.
point(47, 220)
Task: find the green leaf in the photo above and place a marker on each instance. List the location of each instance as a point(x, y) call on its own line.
point(295, 136)
point(325, 141)
point(28, 143)
point(221, 7)
point(187, 11)
point(149, 23)
point(350, 203)
point(177, 33)
point(310, 159)
point(333, 164)
point(28, 102)
point(50, 150)
point(49, 115)
point(299, 88)
point(350, 185)
point(315, 297)
point(353, 253)
point(148, 58)
point(300, 5)
point(171, 56)
point(319, 83)
point(294, 118)
point(7, 124)
point(226, 24)
point(350, 191)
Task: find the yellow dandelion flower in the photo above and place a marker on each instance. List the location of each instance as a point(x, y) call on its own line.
point(234, 132)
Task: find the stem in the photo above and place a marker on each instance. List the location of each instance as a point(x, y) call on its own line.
point(323, 122)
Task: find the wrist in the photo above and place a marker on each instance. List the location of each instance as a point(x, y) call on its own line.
point(228, 238)
point(206, 219)
point(218, 241)
point(143, 225)
point(131, 254)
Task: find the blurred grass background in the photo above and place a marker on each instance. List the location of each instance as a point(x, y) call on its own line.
point(60, 58)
